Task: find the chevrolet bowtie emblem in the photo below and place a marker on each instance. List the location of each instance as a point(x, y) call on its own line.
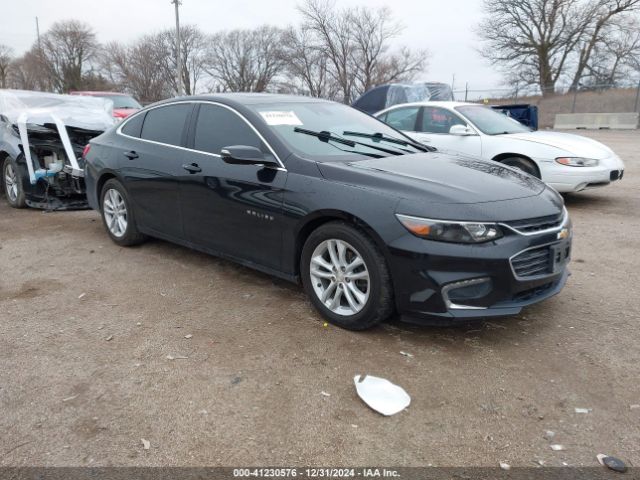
point(564, 233)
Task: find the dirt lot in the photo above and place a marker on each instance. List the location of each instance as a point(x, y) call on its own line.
point(86, 328)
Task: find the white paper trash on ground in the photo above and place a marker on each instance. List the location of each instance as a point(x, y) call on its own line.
point(381, 395)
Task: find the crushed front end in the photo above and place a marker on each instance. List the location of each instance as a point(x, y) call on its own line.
point(42, 137)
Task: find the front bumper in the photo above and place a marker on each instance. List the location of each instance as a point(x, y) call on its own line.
point(429, 277)
point(65, 190)
point(575, 179)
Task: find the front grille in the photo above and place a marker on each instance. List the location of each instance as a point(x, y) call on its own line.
point(538, 224)
point(531, 263)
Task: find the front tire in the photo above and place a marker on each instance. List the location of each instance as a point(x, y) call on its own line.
point(12, 184)
point(117, 215)
point(527, 166)
point(346, 277)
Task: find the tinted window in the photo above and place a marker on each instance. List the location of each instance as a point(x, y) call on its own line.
point(133, 127)
point(219, 127)
point(403, 118)
point(165, 124)
point(439, 120)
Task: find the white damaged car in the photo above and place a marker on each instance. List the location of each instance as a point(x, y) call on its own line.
point(567, 162)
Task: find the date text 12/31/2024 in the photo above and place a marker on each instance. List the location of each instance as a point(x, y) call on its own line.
point(314, 473)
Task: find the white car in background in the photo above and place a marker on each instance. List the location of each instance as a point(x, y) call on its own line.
point(567, 162)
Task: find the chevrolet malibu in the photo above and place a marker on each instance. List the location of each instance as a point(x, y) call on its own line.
point(371, 223)
point(569, 163)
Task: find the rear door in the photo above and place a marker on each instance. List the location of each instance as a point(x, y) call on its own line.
point(232, 209)
point(151, 164)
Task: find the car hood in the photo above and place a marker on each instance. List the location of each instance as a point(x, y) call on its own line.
point(574, 144)
point(437, 178)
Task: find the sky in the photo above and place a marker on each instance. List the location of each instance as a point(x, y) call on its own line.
point(444, 27)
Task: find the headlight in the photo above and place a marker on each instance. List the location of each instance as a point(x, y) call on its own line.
point(577, 161)
point(450, 231)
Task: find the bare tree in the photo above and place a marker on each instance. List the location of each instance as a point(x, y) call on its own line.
point(29, 72)
point(146, 68)
point(246, 60)
point(599, 15)
point(356, 44)
point(372, 31)
point(401, 66)
point(306, 65)
point(616, 55)
point(531, 39)
point(6, 59)
point(335, 40)
point(66, 51)
point(537, 42)
point(193, 56)
point(138, 68)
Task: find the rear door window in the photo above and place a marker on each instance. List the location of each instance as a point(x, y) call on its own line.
point(133, 127)
point(403, 118)
point(166, 124)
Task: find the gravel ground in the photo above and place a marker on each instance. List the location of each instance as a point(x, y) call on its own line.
point(86, 329)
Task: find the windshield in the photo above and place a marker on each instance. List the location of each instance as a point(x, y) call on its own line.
point(122, 101)
point(289, 120)
point(490, 122)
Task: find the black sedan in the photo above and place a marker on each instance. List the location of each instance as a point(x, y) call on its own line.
point(308, 190)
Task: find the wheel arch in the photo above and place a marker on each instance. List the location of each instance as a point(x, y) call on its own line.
point(315, 220)
point(102, 179)
point(503, 156)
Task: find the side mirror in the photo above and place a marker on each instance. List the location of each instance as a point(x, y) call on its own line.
point(244, 155)
point(461, 130)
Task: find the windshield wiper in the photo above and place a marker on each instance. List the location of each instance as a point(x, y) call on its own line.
point(328, 136)
point(325, 136)
point(386, 138)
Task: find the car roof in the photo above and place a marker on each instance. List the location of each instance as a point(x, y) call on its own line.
point(248, 98)
point(445, 104)
point(96, 93)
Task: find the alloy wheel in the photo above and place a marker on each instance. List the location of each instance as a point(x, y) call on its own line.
point(115, 212)
point(11, 181)
point(340, 277)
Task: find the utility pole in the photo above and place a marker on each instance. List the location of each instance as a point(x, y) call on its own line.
point(575, 97)
point(178, 52)
point(38, 34)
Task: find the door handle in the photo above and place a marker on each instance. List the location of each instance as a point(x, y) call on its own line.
point(192, 167)
point(131, 155)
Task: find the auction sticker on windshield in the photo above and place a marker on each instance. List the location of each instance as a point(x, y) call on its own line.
point(281, 118)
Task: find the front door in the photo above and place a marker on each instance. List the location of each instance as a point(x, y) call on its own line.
point(231, 209)
point(434, 124)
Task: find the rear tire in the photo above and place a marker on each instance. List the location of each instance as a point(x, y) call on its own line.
point(346, 277)
point(118, 216)
point(12, 183)
point(527, 166)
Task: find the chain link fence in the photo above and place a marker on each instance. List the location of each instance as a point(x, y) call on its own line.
point(604, 98)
